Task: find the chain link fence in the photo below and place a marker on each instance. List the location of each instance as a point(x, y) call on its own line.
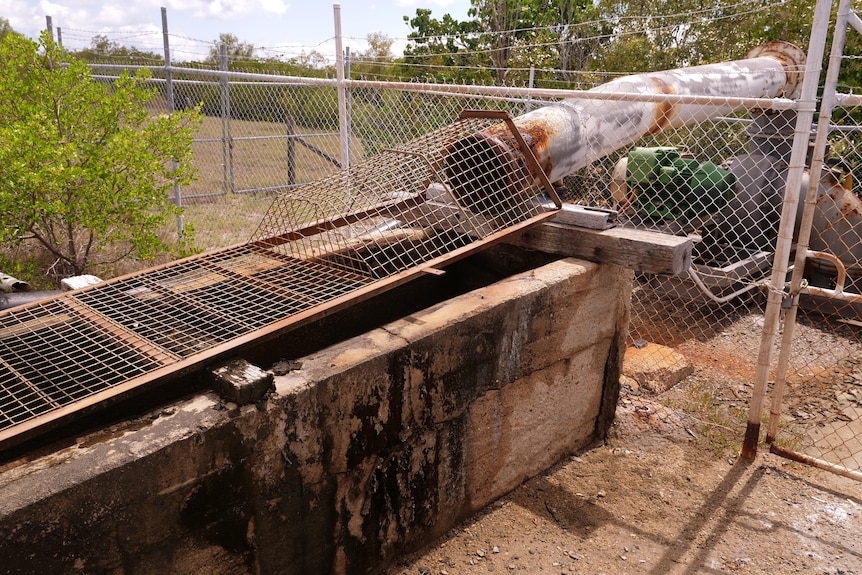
point(816, 412)
point(262, 135)
point(717, 177)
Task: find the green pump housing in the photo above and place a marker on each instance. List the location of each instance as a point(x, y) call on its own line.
point(667, 186)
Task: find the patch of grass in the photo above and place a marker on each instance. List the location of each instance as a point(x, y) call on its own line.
point(721, 423)
point(260, 152)
point(719, 426)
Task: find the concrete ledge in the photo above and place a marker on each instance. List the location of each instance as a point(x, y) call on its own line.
point(375, 445)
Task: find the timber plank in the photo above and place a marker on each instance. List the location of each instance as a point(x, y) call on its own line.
point(641, 250)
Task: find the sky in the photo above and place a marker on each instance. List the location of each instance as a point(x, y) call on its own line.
point(283, 28)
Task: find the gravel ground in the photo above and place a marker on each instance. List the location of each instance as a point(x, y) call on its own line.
point(667, 493)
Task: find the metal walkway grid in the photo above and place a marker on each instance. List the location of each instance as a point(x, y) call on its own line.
point(331, 243)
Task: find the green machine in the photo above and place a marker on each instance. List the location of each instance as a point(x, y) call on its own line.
point(665, 185)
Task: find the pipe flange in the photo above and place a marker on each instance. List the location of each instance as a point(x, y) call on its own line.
point(790, 56)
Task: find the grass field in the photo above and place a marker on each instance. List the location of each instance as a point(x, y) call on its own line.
point(260, 162)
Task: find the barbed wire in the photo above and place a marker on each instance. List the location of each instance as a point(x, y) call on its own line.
point(190, 48)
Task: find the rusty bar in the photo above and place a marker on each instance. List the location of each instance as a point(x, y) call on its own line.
point(29, 384)
point(250, 279)
point(529, 156)
point(335, 223)
point(815, 462)
point(147, 348)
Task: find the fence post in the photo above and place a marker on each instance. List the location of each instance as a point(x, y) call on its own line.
point(291, 150)
point(226, 136)
point(805, 107)
point(348, 115)
point(827, 104)
point(530, 85)
point(343, 128)
point(169, 94)
point(49, 26)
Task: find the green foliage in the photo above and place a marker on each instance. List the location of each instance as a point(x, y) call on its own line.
point(234, 50)
point(649, 35)
point(102, 49)
point(443, 50)
point(85, 171)
point(375, 63)
point(504, 38)
point(5, 28)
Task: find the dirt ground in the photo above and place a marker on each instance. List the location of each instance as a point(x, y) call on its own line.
point(668, 494)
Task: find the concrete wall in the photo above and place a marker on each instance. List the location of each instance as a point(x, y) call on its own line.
point(373, 446)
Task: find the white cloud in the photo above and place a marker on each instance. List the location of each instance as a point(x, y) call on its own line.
point(424, 3)
point(227, 9)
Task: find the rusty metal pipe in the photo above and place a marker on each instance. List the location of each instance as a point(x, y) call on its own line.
point(568, 135)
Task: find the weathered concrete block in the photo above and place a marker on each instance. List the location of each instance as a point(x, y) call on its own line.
point(373, 446)
point(241, 382)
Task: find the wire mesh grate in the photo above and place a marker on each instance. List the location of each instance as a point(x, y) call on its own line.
point(403, 212)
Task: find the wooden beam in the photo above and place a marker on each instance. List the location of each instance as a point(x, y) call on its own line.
point(641, 250)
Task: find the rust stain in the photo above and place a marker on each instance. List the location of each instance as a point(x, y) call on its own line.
point(847, 204)
point(664, 111)
point(537, 136)
point(791, 58)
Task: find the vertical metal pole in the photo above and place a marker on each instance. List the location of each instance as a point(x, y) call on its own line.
point(348, 115)
point(169, 94)
point(343, 128)
point(227, 137)
point(59, 37)
point(169, 80)
point(49, 26)
point(827, 103)
point(532, 79)
point(805, 107)
point(291, 150)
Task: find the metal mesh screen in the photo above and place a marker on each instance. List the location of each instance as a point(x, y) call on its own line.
point(404, 212)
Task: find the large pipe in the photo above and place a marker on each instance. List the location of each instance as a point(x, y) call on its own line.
point(567, 135)
point(14, 299)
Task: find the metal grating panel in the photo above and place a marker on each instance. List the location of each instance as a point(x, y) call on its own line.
point(404, 212)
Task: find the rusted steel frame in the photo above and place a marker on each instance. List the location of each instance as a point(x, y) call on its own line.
point(145, 347)
point(262, 284)
point(527, 151)
point(30, 385)
point(118, 279)
point(190, 303)
point(35, 324)
point(815, 462)
point(335, 223)
point(288, 259)
point(21, 432)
